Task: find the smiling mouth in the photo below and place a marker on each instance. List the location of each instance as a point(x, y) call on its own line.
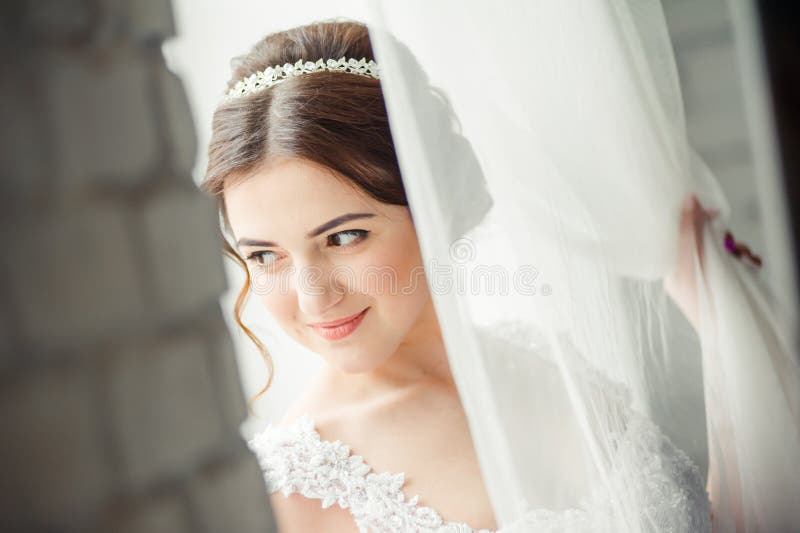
point(339, 328)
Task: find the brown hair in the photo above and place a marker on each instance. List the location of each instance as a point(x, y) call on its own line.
point(333, 119)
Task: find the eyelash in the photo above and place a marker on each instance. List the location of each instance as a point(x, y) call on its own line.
point(360, 233)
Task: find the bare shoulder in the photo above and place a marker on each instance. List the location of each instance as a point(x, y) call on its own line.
point(419, 430)
point(297, 514)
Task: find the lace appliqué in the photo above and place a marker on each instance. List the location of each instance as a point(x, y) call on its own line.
point(296, 459)
point(657, 477)
point(671, 493)
point(668, 488)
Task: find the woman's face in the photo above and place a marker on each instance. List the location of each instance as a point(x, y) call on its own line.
point(318, 251)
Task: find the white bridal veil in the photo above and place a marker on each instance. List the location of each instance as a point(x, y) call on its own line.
point(545, 176)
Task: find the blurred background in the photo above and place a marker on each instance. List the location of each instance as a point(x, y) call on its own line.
point(123, 378)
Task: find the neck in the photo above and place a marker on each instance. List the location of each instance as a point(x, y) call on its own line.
point(422, 355)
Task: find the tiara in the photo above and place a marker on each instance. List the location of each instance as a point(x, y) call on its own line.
point(261, 80)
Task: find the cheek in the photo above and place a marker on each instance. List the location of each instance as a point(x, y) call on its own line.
point(394, 278)
point(280, 303)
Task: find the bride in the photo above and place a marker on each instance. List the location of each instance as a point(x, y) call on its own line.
point(385, 437)
point(310, 186)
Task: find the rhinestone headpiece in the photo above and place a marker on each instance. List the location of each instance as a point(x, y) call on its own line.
point(261, 80)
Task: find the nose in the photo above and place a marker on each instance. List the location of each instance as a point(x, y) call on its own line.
point(317, 290)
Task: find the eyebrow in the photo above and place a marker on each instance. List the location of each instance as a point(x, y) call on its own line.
point(246, 241)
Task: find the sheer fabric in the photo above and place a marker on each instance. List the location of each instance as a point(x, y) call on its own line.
point(544, 153)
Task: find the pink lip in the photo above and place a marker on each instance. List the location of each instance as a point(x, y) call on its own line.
point(339, 328)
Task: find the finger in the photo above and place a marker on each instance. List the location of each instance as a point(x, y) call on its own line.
point(699, 214)
point(689, 202)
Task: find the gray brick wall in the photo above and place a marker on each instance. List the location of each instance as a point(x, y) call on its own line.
point(702, 35)
point(119, 394)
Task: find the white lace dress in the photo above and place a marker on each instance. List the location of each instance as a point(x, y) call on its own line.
point(673, 498)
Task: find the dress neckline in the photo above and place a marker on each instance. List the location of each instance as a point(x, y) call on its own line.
point(295, 458)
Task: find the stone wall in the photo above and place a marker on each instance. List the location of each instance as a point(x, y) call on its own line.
point(119, 395)
point(702, 35)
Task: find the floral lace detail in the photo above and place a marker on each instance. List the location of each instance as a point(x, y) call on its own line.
point(671, 496)
point(672, 493)
point(669, 490)
point(296, 459)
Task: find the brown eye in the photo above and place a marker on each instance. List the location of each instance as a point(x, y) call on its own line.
point(347, 237)
point(262, 258)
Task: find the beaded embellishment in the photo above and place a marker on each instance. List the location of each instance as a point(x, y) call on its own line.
point(260, 80)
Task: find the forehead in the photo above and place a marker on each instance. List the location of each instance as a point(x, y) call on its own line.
point(288, 198)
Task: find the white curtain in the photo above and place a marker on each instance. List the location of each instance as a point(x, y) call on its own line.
point(553, 155)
